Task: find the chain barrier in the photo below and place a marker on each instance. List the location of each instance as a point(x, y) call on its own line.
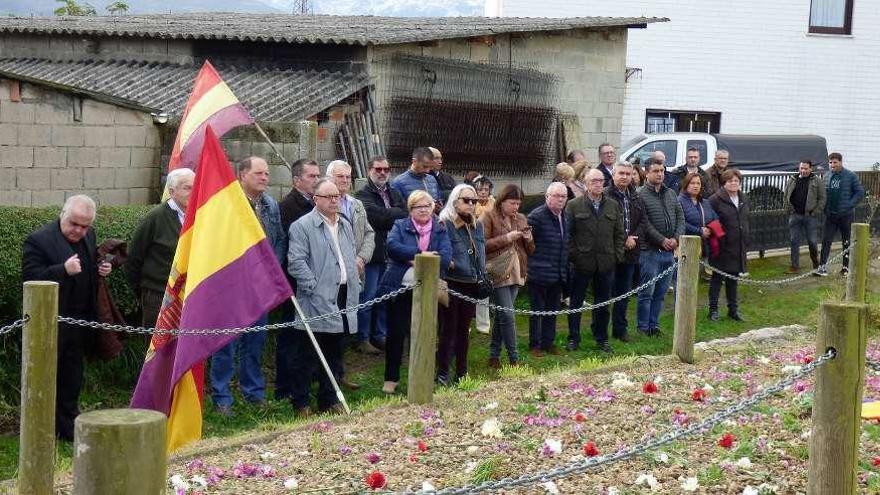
point(223, 331)
point(14, 325)
point(585, 307)
point(779, 281)
point(626, 453)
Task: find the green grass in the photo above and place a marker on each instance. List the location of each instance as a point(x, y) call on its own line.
point(761, 306)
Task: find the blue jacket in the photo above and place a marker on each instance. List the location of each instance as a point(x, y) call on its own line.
point(408, 182)
point(549, 263)
point(403, 246)
point(694, 219)
point(270, 219)
point(463, 269)
point(851, 192)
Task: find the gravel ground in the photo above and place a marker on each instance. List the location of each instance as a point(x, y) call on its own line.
point(530, 423)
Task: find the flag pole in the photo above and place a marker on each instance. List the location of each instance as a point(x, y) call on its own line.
point(321, 354)
point(272, 145)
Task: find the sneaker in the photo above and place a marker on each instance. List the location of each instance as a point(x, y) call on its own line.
point(389, 387)
point(442, 379)
point(844, 271)
point(605, 347)
point(494, 363)
point(571, 346)
point(714, 316)
point(365, 347)
point(822, 272)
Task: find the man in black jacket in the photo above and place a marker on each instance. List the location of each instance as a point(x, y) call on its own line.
point(64, 251)
point(622, 191)
point(297, 203)
point(445, 182)
point(384, 206)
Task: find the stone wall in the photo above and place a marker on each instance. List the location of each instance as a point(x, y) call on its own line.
point(591, 66)
point(110, 153)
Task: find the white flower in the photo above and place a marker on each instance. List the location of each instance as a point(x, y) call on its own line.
point(648, 479)
point(491, 428)
point(662, 457)
point(658, 379)
point(690, 485)
point(473, 449)
point(291, 484)
point(708, 388)
point(552, 446)
point(427, 487)
point(767, 489)
point(178, 483)
point(744, 463)
point(791, 369)
point(470, 466)
point(620, 380)
point(349, 436)
point(748, 490)
point(763, 360)
point(551, 487)
point(612, 490)
point(199, 481)
point(805, 434)
point(491, 405)
point(265, 456)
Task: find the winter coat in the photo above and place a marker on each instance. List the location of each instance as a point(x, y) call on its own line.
point(697, 216)
point(816, 195)
point(462, 268)
point(380, 217)
point(548, 264)
point(596, 238)
point(733, 246)
point(636, 217)
point(663, 216)
point(409, 181)
point(851, 192)
point(496, 232)
point(402, 248)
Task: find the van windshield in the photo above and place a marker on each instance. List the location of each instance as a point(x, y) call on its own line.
point(632, 142)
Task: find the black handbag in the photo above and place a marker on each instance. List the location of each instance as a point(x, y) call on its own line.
point(484, 283)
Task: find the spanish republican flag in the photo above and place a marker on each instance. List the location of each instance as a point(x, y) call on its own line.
point(224, 275)
point(211, 103)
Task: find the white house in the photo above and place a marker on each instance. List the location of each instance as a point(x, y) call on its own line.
point(746, 67)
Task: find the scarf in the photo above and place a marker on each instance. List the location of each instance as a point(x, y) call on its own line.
point(424, 232)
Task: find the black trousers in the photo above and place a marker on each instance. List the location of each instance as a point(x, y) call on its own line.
point(602, 282)
point(833, 223)
point(542, 329)
point(399, 319)
point(72, 344)
point(730, 287)
point(341, 300)
point(623, 283)
point(455, 323)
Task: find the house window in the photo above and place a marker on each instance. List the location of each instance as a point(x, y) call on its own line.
point(681, 121)
point(831, 16)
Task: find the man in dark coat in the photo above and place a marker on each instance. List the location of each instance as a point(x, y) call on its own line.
point(596, 244)
point(384, 206)
point(691, 166)
point(548, 265)
point(732, 208)
point(64, 251)
point(607, 157)
point(297, 203)
point(445, 182)
point(622, 191)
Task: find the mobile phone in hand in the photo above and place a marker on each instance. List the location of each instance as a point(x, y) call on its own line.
point(108, 258)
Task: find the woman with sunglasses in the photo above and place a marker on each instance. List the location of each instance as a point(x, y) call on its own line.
point(420, 232)
point(485, 202)
point(468, 263)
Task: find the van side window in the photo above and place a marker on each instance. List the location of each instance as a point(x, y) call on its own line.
point(699, 144)
point(668, 147)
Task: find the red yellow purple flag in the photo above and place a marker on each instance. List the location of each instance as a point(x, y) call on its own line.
point(224, 275)
point(211, 103)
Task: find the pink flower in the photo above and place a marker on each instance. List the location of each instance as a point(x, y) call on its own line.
point(195, 465)
point(647, 410)
point(344, 450)
point(679, 417)
point(374, 457)
point(322, 427)
point(580, 417)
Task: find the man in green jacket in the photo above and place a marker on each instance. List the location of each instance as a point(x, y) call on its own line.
point(153, 244)
point(804, 201)
point(595, 226)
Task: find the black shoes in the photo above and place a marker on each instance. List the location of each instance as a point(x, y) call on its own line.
point(571, 346)
point(623, 337)
point(605, 347)
point(735, 316)
point(713, 315)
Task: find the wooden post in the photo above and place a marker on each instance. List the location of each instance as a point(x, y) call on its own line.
point(423, 331)
point(857, 279)
point(39, 362)
point(837, 403)
point(686, 297)
point(119, 451)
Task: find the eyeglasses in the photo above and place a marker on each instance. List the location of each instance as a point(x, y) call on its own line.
point(331, 197)
point(382, 170)
point(470, 201)
point(596, 181)
point(422, 207)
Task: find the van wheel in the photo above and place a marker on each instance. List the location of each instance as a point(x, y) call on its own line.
point(766, 198)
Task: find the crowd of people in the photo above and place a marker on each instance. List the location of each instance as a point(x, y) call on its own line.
point(609, 227)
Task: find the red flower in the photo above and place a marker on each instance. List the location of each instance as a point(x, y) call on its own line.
point(726, 440)
point(423, 447)
point(580, 417)
point(807, 359)
point(413, 458)
point(590, 449)
point(649, 387)
point(375, 480)
point(698, 395)
point(876, 462)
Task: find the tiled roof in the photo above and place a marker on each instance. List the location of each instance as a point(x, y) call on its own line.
point(270, 94)
point(285, 28)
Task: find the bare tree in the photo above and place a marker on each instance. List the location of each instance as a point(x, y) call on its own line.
point(303, 7)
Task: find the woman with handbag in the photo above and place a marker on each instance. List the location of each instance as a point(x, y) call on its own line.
point(421, 232)
point(508, 244)
point(466, 275)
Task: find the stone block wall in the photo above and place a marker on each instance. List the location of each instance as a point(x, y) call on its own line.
point(46, 154)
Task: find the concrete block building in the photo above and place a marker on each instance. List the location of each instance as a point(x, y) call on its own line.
point(92, 104)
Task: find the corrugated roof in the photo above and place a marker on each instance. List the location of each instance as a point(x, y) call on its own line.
point(284, 28)
point(271, 94)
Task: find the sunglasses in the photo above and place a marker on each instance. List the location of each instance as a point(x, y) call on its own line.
point(470, 201)
point(381, 170)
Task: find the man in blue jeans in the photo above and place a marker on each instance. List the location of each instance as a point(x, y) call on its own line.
point(253, 175)
point(663, 224)
point(844, 192)
point(804, 201)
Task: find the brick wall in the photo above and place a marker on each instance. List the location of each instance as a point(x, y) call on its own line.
point(590, 65)
point(111, 154)
point(753, 61)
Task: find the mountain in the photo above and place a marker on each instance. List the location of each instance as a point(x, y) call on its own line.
point(46, 7)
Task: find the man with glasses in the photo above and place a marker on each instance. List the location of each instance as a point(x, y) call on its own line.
point(322, 259)
point(418, 178)
point(663, 224)
point(622, 191)
point(607, 157)
point(596, 242)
